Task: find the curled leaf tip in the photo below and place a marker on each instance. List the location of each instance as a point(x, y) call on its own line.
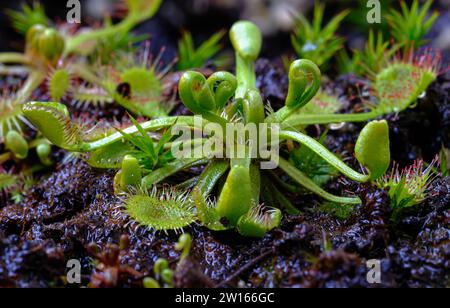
point(304, 83)
point(194, 92)
point(246, 38)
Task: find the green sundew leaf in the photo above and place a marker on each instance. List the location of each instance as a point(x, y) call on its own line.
point(161, 211)
point(146, 91)
point(408, 187)
point(29, 16)
point(110, 157)
point(143, 82)
point(375, 54)
point(400, 85)
point(322, 103)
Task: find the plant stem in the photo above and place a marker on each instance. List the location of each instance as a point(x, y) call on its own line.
point(170, 169)
point(5, 157)
point(329, 157)
point(34, 80)
point(153, 125)
point(303, 120)
point(13, 70)
point(122, 27)
point(245, 74)
point(303, 180)
point(74, 43)
point(84, 73)
point(13, 57)
point(285, 186)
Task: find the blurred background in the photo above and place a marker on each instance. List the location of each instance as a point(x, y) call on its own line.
point(204, 17)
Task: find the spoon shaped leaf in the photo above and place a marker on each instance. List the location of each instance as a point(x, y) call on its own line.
point(373, 148)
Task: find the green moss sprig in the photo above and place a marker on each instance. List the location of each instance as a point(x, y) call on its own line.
point(190, 57)
point(317, 42)
point(411, 24)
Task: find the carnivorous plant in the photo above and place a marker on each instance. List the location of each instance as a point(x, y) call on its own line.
point(229, 192)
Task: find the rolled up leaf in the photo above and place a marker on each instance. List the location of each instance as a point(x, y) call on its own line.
point(246, 39)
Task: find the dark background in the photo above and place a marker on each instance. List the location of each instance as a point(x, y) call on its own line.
point(204, 17)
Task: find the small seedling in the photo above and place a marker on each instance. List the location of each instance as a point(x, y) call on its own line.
point(316, 42)
point(29, 16)
point(370, 60)
point(410, 26)
point(408, 187)
point(163, 274)
point(190, 58)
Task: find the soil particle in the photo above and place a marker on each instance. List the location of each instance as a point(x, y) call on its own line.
point(272, 81)
point(366, 231)
point(336, 269)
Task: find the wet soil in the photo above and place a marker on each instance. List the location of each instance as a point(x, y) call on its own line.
point(72, 214)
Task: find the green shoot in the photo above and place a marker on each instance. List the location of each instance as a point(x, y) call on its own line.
point(29, 16)
point(408, 187)
point(316, 42)
point(375, 55)
point(190, 58)
point(410, 26)
point(150, 155)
